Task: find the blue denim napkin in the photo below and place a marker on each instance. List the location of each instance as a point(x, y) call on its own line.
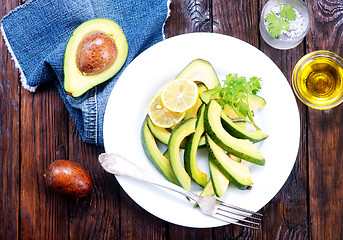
point(37, 32)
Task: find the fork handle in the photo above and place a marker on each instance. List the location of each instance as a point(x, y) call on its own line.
point(118, 165)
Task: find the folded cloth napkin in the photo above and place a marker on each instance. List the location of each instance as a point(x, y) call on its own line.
point(37, 33)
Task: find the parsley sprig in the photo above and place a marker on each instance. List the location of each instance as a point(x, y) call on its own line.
point(234, 93)
point(281, 22)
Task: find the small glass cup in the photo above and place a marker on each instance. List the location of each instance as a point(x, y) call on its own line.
point(298, 28)
point(317, 80)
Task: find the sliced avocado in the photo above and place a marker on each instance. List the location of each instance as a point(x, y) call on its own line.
point(179, 133)
point(233, 157)
point(241, 148)
point(95, 52)
point(191, 150)
point(238, 132)
point(206, 96)
point(255, 102)
point(219, 180)
point(206, 191)
point(200, 71)
point(237, 173)
point(241, 124)
point(161, 163)
point(193, 111)
point(162, 134)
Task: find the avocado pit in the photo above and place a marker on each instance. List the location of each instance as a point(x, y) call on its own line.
point(96, 53)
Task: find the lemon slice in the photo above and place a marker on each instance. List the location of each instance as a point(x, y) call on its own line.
point(179, 95)
point(161, 116)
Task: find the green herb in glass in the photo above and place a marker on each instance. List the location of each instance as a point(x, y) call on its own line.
point(281, 22)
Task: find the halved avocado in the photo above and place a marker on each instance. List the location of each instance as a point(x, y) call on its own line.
point(200, 71)
point(242, 148)
point(95, 52)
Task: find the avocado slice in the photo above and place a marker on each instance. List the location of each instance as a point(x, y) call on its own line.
point(237, 173)
point(193, 111)
point(238, 132)
point(191, 150)
point(255, 102)
point(95, 52)
point(162, 134)
point(219, 180)
point(179, 133)
point(200, 71)
point(242, 148)
point(151, 149)
point(206, 191)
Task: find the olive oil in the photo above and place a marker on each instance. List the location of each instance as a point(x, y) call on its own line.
point(319, 81)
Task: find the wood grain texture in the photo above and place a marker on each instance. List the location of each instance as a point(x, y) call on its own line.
point(36, 129)
point(9, 139)
point(325, 134)
point(97, 215)
point(326, 26)
point(43, 135)
point(189, 16)
point(289, 208)
point(238, 19)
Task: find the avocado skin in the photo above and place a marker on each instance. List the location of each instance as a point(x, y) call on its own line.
point(77, 83)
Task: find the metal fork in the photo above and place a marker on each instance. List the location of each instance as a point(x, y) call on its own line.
point(116, 164)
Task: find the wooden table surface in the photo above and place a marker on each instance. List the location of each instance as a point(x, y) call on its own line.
point(36, 129)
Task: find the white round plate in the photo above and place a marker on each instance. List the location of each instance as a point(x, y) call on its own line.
point(151, 70)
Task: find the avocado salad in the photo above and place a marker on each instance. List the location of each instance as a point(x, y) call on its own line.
point(216, 121)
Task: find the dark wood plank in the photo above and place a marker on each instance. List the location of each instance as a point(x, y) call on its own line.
point(36, 129)
point(325, 131)
point(96, 216)
point(9, 138)
point(286, 215)
point(43, 126)
point(137, 223)
point(188, 16)
point(238, 19)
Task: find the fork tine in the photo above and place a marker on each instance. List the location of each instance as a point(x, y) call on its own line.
point(236, 218)
point(228, 219)
point(236, 212)
point(240, 209)
point(237, 215)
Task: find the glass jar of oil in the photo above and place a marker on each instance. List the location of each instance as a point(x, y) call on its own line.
point(317, 79)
